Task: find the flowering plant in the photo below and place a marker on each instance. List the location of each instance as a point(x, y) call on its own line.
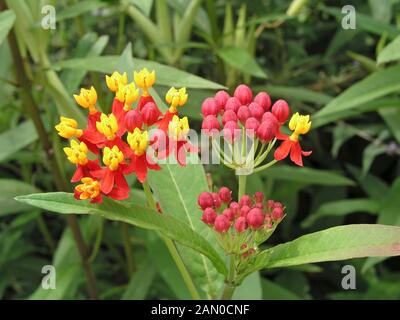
point(215, 236)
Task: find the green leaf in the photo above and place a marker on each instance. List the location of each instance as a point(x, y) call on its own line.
point(391, 116)
point(16, 139)
point(295, 93)
point(389, 214)
point(168, 76)
point(342, 208)
point(370, 153)
point(10, 188)
point(65, 203)
point(141, 281)
point(249, 289)
point(240, 59)
point(7, 18)
point(307, 176)
point(338, 243)
point(391, 52)
point(273, 291)
point(375, 187)
point(79, 8)
point(374, 86)
point(365, 22)
point(177, 189)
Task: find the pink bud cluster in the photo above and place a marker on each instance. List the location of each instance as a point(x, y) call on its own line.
point(250, 213)
point(243, 111)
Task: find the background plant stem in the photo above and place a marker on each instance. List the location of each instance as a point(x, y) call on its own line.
point(34, 113)
point(172, 249)
point(128, 249)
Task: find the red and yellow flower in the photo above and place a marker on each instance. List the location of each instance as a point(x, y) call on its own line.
point(105, 136)
point(299, 124)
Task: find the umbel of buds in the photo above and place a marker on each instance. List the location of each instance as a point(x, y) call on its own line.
point(245, 116)
point(240, 226)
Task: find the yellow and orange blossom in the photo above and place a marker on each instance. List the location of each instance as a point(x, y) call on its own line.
point(144, 79)
point(87, 98)
point(112, 157)
point(107, 125)
point(138, 141)
point(68, 128)
point(116, 80)
point(299, 124)
point(89, 189)
point(77, 153)
point(175, 98)
point(127, 94)
point(178, 128)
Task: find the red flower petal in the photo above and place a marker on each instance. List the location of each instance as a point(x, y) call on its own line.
point(121, 182)
point(107, 183)
point(141, 167)
point(78, 175)
point(295, 153)
point(306, 153)
point(281, 136)
point(164, 122)
point(98, 199)
point(118, 194)
point(283, 150)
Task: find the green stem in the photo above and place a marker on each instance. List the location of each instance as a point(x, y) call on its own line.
point(230, 286)
point(172, 248)
point(128, 249)
point(45, 232)
point(97, 242)
point(265, 166)
point(242, 186)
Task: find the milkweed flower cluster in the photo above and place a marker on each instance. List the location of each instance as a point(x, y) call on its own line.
point(240, 226)
point(122, 139)
point(242, 116)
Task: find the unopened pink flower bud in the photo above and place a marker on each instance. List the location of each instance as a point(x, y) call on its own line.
point(243, 114)
point(210, 124)
point(234, 206)
point(255, 218)
point(256, 110)
point(209, 216)
point(225, 194)
point(244, 211)
point(259, 196)
point(222, 224)
point(231, 131)
point(229, 214)
point(241, 224)
point(270, 204)
point(266, 131)
point(252, 125)
point(205, 200)
point(281, 111)
point(133, 119)
point(243, 94)
point(209, 107)
point(264, 100)
point(229, 115)
point(150, 113)
point(216, 199)
point(221, 97)
point(245, 201)
point(277, 214)
point(232, 104)
point(259, 205)
point(269, 117)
